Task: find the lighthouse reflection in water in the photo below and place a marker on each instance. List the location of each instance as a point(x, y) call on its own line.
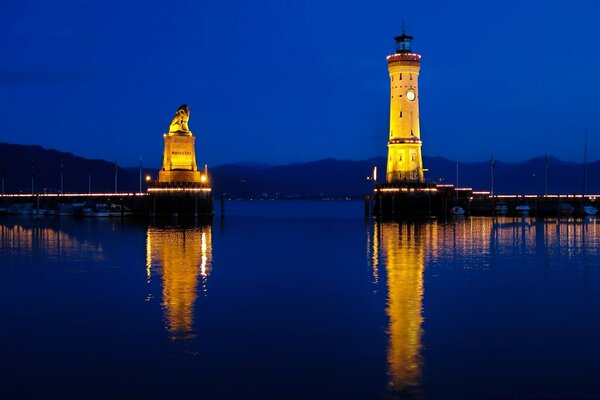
point(407, 258)
point(399, 250)
point(183, 259)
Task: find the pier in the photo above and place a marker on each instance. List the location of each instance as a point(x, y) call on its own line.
point(438, 200)
point(195, 203)
point(127, 203)
point(180, 190)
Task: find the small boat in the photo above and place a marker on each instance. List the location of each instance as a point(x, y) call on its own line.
point(501, 208)
point(589, 210)
point(522, 209)
point(65, 209)
point(106, 210)
point(117, 210)
point(565, 209)
point(23, 209)
point(96, 211)
point(457, 210)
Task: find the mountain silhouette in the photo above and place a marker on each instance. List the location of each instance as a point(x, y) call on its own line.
point(323, 178)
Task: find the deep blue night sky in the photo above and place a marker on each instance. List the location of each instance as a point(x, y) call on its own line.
point(282, 81)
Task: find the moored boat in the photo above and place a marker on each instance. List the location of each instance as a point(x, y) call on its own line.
point(589, 210)
point(565, 209)
point(501, 208)
point(522, 209)
point(457, 210)
point(117, 210)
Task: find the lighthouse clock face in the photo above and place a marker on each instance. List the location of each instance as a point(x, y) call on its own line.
point(410, 95)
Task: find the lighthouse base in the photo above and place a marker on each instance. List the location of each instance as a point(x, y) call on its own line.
point(415, 199)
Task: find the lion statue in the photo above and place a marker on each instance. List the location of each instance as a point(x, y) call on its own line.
point(180, 120)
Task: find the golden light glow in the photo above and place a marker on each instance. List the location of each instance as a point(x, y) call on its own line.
point(148, 178)
point(404, 249)
point(179, 123)
point(403, 256)
point(53, 243)
point(179, 189)
point(184, 257)
point(405, 189)
point(404, 163)
point(203, 178)
point(179, 155)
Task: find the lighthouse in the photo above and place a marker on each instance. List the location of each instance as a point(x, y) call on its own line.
point(404, 163)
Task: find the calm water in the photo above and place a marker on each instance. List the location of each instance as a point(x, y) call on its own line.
point(287, 300)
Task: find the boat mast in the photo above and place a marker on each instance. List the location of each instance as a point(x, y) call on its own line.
point(62, 173)
point(585, 164)
point(492, 165)
point(546, 174)
point(456, 190)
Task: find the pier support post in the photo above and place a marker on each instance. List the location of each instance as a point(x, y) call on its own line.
point(222, 205)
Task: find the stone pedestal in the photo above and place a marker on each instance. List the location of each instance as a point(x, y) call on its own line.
point(179, 159)
point(179, 176)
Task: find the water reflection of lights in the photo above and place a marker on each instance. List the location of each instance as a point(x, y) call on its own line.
point(406, 249)
point(402, 252)
point(53, 242)
point(182, 256)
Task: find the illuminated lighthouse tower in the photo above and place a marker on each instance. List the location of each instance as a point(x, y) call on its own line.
point(404, 162)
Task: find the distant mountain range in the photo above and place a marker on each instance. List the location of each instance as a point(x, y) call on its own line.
point(323, 178)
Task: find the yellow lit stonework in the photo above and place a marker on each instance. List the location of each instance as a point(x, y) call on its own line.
point(179, 156)
point(404, 163)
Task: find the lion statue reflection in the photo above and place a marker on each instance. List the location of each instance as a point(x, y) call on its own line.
point(180, 120)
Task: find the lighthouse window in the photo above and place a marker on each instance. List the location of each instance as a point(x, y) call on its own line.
point(411, 77)
point(412, 157)
point(400, 76)
point(400, 114)
point(392, 78)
